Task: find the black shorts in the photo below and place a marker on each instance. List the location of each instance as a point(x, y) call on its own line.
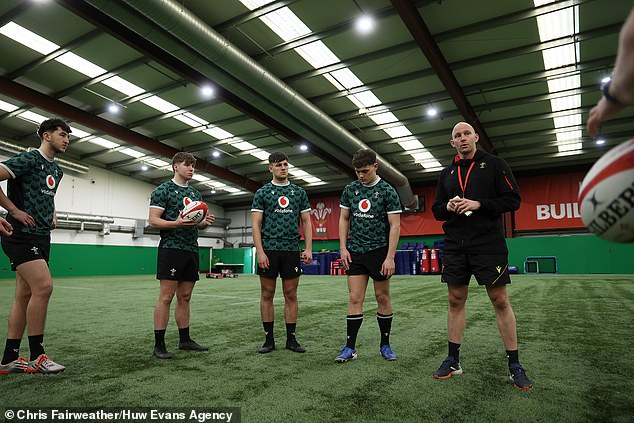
point(488, 269)
point(22, 248)
point(368, 263)
point(177, 265)
point(283, 263)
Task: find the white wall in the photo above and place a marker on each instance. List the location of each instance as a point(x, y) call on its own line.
point(100, 192)
point(241, 226)
point(103, 193)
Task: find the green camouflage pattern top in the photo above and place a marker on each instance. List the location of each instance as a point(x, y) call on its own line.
point(281, 206)
point(369, 206)
point(170, 197)
point(32, 188)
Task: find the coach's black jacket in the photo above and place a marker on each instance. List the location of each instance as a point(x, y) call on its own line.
point(491, 182)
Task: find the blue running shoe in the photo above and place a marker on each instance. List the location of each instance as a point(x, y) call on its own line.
point(448, 368)
point(519, 378)
point(347, 353)
point(387, 353)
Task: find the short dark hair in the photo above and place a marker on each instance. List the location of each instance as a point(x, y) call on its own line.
point(50, 125)
point(363, 157)
point(277, 157)
point(183, 157)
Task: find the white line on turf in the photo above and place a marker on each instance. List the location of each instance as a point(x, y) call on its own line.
point(218, 296)
point(71, 287)
point(229, 297)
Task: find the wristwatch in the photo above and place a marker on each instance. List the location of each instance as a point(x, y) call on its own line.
point(605, 89)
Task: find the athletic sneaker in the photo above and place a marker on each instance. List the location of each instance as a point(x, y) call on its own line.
point(267, 347)
point(192, 345)
point(448, 368)
point(19, 365)
point(293, 345)
point(161, 352)
point(387, 353)
point(43, 364)
point(347, 353)
point(519, 378)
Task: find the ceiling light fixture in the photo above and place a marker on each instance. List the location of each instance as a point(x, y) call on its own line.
point(364, 24)
point(431, 111)
point(303, 147)
point(114, 108)
point(600, 141)
point(216, 153)
point(207, 91)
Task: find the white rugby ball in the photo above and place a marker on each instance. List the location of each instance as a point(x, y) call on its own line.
point(606, 195)
point(196, 211)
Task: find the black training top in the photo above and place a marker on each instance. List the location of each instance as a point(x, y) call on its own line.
point(489, 180)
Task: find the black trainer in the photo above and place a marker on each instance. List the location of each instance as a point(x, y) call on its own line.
point(192, 345)
point(267, 347)
point(161, 352)
point(293, 345)
point(519, 378)
point(448, 368)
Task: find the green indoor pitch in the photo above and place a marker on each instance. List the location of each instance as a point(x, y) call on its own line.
point(575, 340)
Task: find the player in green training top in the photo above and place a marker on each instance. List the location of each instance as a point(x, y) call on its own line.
point(33, 178)
point(177, 266)
point(370, 211)
point(277, 208)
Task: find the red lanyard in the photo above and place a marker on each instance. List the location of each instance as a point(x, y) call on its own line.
point(464, 187)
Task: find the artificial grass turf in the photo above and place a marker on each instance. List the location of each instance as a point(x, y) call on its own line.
point(574, 334)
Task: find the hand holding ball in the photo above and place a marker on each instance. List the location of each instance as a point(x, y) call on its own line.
point(606, 195)
point(195, 211)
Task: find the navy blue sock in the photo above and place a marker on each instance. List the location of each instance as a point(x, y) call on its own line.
point(36, 346)
point(11, 350)
point(183, 334)
point(513, 356)
point(454, 350)
point(159, 338)
point(353, 323)
point(268, 331)
point(385, 326)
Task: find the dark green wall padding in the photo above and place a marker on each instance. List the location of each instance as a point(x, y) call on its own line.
point(235, 256)
point(100, 260)
point(576, 254)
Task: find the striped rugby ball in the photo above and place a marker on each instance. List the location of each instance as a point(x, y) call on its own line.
point(196, 211)
point(606, 195)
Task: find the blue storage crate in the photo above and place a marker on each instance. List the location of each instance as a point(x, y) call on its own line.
point(311, 269)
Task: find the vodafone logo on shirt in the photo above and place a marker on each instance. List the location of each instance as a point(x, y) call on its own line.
point(365, 205)
point(283, 201)
point(50, 182)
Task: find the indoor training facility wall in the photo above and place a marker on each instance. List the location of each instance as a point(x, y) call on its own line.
point(99, 192)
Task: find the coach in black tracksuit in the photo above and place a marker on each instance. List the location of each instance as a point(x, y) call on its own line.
point(472, 194)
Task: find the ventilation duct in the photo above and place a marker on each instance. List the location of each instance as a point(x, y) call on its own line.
point(170, 26)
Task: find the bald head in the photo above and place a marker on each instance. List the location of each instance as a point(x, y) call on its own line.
point(453, 131)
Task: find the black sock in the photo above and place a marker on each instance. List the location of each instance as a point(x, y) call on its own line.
point(290, 331)
point(385, 326)
point(183, 333)
point(11, 350)
point(36, 346)
point(454, 350)
point(159, 338)
point(268, 331)
point(353, 323)
point(513, 356)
